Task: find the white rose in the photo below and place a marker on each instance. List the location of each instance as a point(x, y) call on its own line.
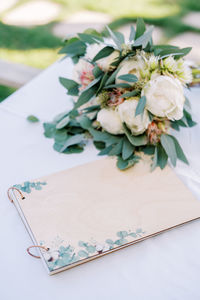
point(137, 124)
point(164, 97)
point(103, 63)
point(110, 120)
point(130, 66)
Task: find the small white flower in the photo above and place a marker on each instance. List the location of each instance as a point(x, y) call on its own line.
point(99, 248)
point(184, 72)
point(153, 62)
point(164, 97)
point(110, 120)
point(170, 64)
point(137, 124)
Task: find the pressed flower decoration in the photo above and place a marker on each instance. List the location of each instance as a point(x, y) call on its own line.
point(127, 95)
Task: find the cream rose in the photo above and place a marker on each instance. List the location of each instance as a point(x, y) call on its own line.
point(137, 124)
point(110, 120)
point(164, 97)
point(103, 63)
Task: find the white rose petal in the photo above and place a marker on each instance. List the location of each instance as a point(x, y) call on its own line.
point(110, 120)
point(164, 97)
point(137, 124)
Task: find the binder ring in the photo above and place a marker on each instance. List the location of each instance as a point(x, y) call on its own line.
point(14, 188)
point(36, 246)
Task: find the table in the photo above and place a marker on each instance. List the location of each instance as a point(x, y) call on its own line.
point(163, 267)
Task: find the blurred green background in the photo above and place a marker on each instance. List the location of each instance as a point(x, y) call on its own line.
point(32, 31)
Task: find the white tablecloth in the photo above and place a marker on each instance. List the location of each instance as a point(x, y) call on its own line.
point(163, 267)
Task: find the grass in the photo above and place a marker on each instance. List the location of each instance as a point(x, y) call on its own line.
point(5, 91)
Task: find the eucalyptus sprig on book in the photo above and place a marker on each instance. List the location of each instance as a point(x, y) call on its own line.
point(127, 95)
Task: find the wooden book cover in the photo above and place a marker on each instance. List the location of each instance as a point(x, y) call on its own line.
point(88, 211)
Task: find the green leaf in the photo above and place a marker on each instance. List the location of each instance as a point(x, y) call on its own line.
point(70, 150)
point(105, 137)
point(32, 119)
point(74, 48)
point(99, 145)
point(127, 149)
point(92, 83)
point(111, 79)
point(138, 140)
point(116, 149)
point(130, 94)
point(84, 122)
point(97, 71)
point(102, 83)
point(162, 157)
point(83, 254)
point(106, 51)
point(140, 106)
point(49, 129)
point(105, 151)
point(85, 96)
point(89, 38)
point(63, 122)
point(179, 151)
point(115, 38)
point(60, 136)
point(128, 77)
point(71, 85)
point(149, 149)
point(125, 164)
point(73, 140)
point(155, 160)
point(174, 52)
point(140, 28)
point(144, 39)
point(118, 85)
point(168, 144)
point(132, 34)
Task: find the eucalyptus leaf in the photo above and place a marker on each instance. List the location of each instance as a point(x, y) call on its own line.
point(162, 157)
point(112, 77)
point(71, 85)
point(125, 164)
point(169, 146)
point(140, 28)
point(85, 96)
point(118, 85)
point(144, 39)
point(116, 149)
point(32, 119)
point(115, 38)
point(75, 48)
point(130, 94)
point(73, 140)
point(140, 106)
point(138, 140)
point(128, 77)
point(97, 71)
point(89, 38)
point(155, 159)
point(106, 51)
point(84, 122)
point(132, 34)
point(127, 149)
point(49, 130)
point(63, 122)
point(179, 151)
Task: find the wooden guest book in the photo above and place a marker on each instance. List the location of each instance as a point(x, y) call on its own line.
point(83, 213)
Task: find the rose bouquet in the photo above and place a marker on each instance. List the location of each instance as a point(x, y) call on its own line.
point(126, 97)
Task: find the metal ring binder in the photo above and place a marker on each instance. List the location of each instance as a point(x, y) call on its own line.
point(14, 188)
point(36, 246)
